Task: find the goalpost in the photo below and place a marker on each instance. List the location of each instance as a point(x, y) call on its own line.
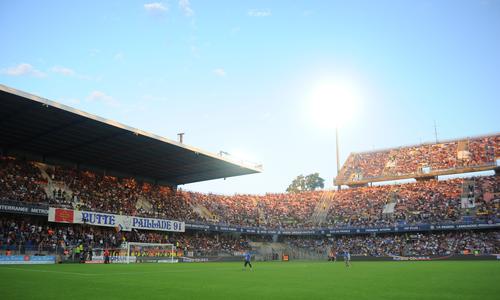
point(151, 252)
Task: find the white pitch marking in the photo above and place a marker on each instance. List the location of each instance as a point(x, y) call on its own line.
point(49, 271)
point(113, 273)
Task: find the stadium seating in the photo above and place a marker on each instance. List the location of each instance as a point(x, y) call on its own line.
point(430, 201)
point(413, 203)
point(32, 235)
point(418, 244)
point(411, 161)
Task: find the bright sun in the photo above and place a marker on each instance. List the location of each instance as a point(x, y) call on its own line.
point(333, 102)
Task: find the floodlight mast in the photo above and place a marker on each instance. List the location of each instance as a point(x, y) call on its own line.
point(337, 152)
point(334, 98)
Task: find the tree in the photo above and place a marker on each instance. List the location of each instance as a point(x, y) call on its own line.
point(313, 182)
point(306, 183)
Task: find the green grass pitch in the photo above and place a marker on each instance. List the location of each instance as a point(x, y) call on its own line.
point(270, 280)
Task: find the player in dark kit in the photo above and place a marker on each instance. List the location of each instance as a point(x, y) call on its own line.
point(248, 257)
point(106, 256)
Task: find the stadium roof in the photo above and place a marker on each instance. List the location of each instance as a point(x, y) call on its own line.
point(55, 131)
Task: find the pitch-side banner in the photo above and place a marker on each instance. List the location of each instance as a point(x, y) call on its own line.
point(125, 223)
point(27, 260)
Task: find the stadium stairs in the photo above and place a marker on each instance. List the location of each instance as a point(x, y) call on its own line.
point(143, 203)
point(296, 253)
point(468, 196)
point(321, 210)
point(264, 250)
point(52, 184)
point(390, 206)
point(203, 212)
point(262, 214)
point(391, 164)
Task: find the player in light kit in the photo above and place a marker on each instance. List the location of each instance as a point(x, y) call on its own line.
point(248, 257)
point(347, 258)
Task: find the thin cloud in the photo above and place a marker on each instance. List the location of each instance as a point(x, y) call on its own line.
point(259, 13)
point(186, 8)
point(68, 72)
point(156, 7)
point(23, 69)
point(220, 72)
point(101, 97)
point(63, 71)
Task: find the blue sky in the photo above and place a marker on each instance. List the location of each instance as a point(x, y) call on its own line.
point(237, 75)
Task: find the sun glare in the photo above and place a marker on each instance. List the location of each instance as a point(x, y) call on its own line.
point(242, 156)
point(333, 102)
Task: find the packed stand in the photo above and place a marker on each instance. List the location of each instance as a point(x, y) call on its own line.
point(429, 201)
point(21, 181)
point(35, 235)
point(413, 160)
point(270, 210)
point(421, 202)
point(410, 244)
point(96, 192)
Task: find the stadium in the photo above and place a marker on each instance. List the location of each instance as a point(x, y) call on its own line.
point(98, 201)
point(78, 190)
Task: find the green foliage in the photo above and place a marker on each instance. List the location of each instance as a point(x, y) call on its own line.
point(303, 183)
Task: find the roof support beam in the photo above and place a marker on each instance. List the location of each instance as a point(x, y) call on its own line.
point(126, 151)
point(86, 143)
point(205, 175)
point(49, 131)
point(155, 159)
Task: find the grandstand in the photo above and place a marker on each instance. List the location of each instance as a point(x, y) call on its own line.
point(47, 131)
point(424, 161)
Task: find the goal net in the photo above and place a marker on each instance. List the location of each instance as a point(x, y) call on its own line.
point(150, 252)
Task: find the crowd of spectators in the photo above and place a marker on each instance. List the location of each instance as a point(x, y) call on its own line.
point(412, 160)
point(482, 150)
point(21, 181)
point(28, 234)
point(127, 196)
point(270, 210)
point(430, 201)
point(410, 244)
point(31, 235)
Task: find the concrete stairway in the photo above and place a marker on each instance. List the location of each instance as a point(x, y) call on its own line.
point(203, 212)
point(321, 210)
